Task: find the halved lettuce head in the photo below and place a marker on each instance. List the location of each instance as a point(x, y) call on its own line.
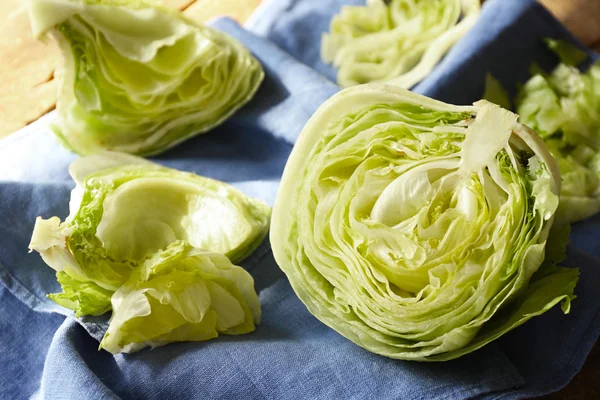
point(564, 108)
point(181, 294)
point(418, 229)
point(123, 210)
point(395, 41)
point(139, 77)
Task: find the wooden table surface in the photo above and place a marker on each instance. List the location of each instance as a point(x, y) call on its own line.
point(27, 91)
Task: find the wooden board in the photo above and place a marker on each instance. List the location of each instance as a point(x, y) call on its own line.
point(27, 87)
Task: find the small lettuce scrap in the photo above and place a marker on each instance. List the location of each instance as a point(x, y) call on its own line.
point(396, 41)
point(139, 77)
point(418, 229)
point(181, 294)
point(124, 210)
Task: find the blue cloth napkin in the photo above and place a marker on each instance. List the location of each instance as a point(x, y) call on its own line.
point(46, 353)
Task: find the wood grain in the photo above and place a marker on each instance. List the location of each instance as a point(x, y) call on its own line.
point(27, 87)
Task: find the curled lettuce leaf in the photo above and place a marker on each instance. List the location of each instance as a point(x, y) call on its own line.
point(564, 108)
point(181, 294)
point(418, 229)
point(397, 41)
point(139, 77)
point(123, 210)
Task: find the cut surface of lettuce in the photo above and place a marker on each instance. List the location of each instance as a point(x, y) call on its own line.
point(139, 77)
point(397, 41)
point(418, 229)
point(181, 294)
point(124, 209)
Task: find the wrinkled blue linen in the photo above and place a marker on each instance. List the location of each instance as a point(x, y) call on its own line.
point(46, 353)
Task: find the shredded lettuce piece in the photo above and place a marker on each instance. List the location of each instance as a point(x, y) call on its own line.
point(397, 41)
point(418, 229)
point(139, 77)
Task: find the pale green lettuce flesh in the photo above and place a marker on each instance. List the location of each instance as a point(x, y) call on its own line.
point(418, 229)
point(564, 108)
point(124, 210)
point(181, 294)
point(397, 41)
point(140, 78)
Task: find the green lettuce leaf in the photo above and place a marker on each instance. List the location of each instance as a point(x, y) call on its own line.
point(418, 229)
point(564, 108)
point(139, 77)
point(124, 209)
point(495, 93)
point(568, 53)
point(181, 294)
point(397, 41)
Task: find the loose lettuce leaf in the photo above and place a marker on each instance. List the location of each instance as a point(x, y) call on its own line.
point(397, 41)
point(139, 77)
point(568, 53)
point(495, 93)
point(564, 108)
point(181, 294)
point(418, 229)
point(124, 209)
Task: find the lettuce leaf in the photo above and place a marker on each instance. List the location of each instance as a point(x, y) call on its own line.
point(181, 294)
point(564, 108)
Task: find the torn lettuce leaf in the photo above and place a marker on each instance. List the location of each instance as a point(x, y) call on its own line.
point(418, 229)
point(567, 52)
point(181, 294)
point(139, 77)
point(124, 209)
point(564, 108)
point(397, 41)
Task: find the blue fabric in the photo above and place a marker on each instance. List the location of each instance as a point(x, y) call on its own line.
point(291, 355)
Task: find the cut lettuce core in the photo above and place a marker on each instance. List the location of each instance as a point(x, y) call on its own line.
point(418, 229)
